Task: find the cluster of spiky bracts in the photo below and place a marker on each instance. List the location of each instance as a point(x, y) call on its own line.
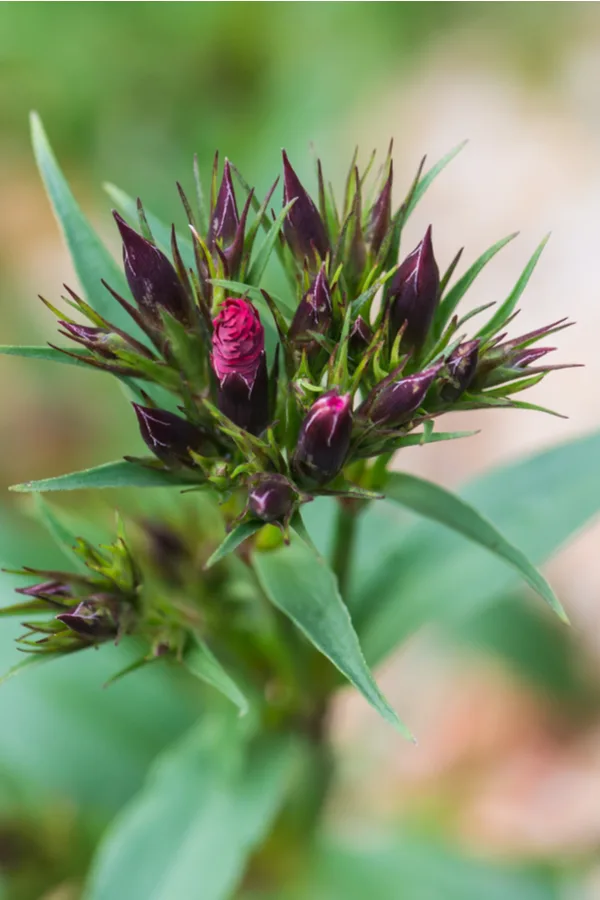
point(368, 350)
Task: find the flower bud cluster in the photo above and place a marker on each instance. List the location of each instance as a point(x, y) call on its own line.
point(279, 397)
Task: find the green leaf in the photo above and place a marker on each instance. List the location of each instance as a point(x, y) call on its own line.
point(202, 663)
point(261, 260)
point(46, 353)
point(233, 540)
point(431, 175)
point(160, 232)
point(507, 308)
point(455, 294)
point(436, 503)
point(427, 572)
point(300, 583)
point(207, 804)
point(403, 867)
point(63, 536)
point(116, 474)
point(91, 259)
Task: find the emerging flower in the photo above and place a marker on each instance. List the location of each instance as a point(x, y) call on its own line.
point(324, 439)
point(239, 362)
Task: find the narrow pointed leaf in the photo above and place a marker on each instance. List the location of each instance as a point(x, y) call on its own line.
point(46, 353)
point(63, 536)
point(261, 260)
point(431, 175)
point(91, 259)
point(207, 804)
point(236, 536)
point(509, 305)
point(202, 663)
point(436, 503)
point(116, 474)
point(300, 583)
point(455, 294)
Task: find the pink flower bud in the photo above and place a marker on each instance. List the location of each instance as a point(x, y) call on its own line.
point(239, 362)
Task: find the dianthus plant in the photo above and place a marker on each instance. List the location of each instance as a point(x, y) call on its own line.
point(253, 404)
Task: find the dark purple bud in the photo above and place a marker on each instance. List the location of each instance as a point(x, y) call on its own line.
point(271, 498)
point(392, 402)
point(315, 310)
point(89, 623)
point(152, 278)
point(170, 437)
point(413, 294)
point(224, 218)
point(324, 439)
point(239, 362)
point(303, 227)
point(361, 336)
point(461, 366)
point(380, 217)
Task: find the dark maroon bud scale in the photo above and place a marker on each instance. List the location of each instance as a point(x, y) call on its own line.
point(315, 310)
point(170, 437)
point(152, 278)
point(303, 227)
point(413, 294)
point(324, 439)
point(394, 403)
point(271, 498)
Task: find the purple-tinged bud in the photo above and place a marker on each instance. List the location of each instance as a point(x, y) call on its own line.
point(170, 437)
point(239, 362)
point(529, 355)
point(88, 623)
point(461, 366)
point(224, 218)
point(271, 498)
point(380, 217)
point(393, 402)
point(45, 589)
point(413, 294)
point(324, 439)
point(361, 336)
point(315, 310)
point(303, 227)
point(91, 337)
point(152, 278)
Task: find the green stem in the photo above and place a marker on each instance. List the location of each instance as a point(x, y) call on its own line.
point(345, 532)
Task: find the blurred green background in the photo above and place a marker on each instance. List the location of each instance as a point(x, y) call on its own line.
point(501, 799)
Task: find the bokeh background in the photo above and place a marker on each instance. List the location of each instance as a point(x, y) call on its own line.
point(502, 797)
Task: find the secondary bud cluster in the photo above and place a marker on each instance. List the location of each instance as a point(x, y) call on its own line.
point(282, 395)
point(86, 610)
